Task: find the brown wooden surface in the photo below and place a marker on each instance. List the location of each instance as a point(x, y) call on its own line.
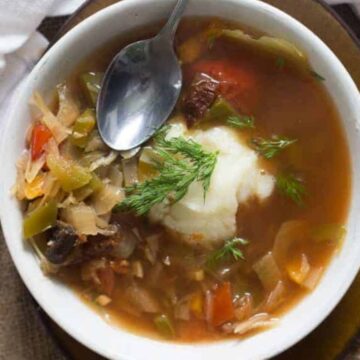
point(332, 338)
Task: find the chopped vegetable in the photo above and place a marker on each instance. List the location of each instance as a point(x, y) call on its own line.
point(291, 187)
point(244, 307)
point(241, 121)
point(259, 320)
point(142, 298)
point(276, 297)
point(130, 171)
point(176, 174)
point(70, 175)
point(137, 269)
point(40, 219)
point(91, 84)
point(68, 107)
point(197, 304)
point(222, 305)
point(164, 326)
point(271, 147)
point(313, 278)
point(273, 46)
point(103, 160)
point(290, 233)
point(58, 130)
point(238, 82)
point(33, 168)
point(82, 218)
point(298, 268)
point(230, 249)
point(39, 138)
point(221, 111)
point(103, 300)
point(83, 126)
point(105, 199)
point(268, 271)
point(35, 188)
point(329, 232)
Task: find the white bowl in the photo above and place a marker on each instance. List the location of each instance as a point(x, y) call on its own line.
point(61, 303)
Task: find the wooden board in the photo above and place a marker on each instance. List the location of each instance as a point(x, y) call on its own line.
point(332, 338)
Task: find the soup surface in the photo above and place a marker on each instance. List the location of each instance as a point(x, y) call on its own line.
point(227, 217)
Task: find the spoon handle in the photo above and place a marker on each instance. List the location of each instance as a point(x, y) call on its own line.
point(170, 27)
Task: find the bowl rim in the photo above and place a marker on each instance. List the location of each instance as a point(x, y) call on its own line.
point(87, 23)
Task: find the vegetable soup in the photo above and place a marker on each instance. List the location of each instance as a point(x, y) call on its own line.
point(226, 218)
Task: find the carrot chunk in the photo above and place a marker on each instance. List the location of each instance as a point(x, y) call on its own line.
point(40, 136)
point(223, 309)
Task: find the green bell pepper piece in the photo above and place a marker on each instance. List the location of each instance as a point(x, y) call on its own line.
point(70, 175)
point(82, 128)
point(40, 219)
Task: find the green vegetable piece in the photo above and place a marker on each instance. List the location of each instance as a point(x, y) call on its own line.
point(82, 128)
point(40, 219)
point(329, 232)
point(230, 248)
point(91, 84)
point(175, 173)
point(221, 110)
point(94, 186)
point(241, 121)
point(271, 147)
point(164, 326)
point(290, 186)
point(275, 47)
point(71, 176)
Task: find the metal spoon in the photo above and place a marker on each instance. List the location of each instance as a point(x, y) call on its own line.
point(140, 88)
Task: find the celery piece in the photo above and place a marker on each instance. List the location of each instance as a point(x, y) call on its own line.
point(40, 219)
point(164, 326)
point(70, 175)
point(221, 110)
point(82, 128)
point(91, 84)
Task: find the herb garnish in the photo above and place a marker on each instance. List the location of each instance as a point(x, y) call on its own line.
point(241, 121)
point(230, 248)
point(182, 162)
point(317, 76)
point(291, 187)
point(271, 147)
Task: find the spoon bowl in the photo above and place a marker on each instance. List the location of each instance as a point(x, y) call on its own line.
point(140, 88)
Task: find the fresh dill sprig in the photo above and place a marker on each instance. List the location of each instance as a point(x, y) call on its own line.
point(290, 186)
point(181, 162)
point(271, 147)
point(241, 121)
point(230, 249)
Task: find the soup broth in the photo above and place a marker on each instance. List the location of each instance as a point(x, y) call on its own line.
point(192, 290)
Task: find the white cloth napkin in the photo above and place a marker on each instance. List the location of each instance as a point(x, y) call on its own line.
point(21, 46)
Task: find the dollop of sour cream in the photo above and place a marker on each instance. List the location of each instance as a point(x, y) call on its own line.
point(236, 179)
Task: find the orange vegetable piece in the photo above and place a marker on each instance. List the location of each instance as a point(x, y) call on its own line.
point(238, 82)
point(40, 136)
point(223, 309)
